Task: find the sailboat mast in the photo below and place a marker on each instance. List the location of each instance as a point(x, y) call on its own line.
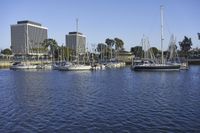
point(162, 39)
point(77, 45)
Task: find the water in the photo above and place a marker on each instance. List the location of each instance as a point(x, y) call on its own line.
point(108, 101)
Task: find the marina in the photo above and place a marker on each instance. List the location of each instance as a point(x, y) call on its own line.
point(100, 66)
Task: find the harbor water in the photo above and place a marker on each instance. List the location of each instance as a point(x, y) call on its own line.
point(110, 101)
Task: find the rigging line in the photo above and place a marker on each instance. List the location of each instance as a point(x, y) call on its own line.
point(167, 27)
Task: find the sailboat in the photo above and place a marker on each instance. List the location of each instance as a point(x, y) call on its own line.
point(148, 65)
point(62, 65)
point(22, 66)
point(77, 66)
point(42, 65)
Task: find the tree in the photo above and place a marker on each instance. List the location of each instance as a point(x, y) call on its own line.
point(185, 45)
point(102, 49)
point(110, 43)
point(68, 53)
point(154, 50)
point(63, 53)
point(137, 51)
point(52, 44)
point(6, 51)
point(56, 52)
point(119, 44)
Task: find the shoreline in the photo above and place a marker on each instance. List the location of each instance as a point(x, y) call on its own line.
point(8, 64)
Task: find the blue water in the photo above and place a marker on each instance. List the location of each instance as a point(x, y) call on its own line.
point(110, 101)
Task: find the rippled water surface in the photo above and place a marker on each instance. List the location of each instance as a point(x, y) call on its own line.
point(118, 100)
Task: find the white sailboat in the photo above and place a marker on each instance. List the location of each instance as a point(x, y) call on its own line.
point(79, 67)
point(22, 66)
point(148, 65)
point(76, 66)
point(62, 65)
point(42, 65)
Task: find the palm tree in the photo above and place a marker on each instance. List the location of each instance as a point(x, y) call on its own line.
point(110, 43)
point(101, 48)
point(52, 44)
point(119, 44)
point(186, 45)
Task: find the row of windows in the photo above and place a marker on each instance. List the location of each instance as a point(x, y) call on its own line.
point(24, 40)
point(76, 43)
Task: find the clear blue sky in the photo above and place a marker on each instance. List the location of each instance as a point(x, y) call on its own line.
point(101, 19)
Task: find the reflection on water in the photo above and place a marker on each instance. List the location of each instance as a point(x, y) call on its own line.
point(118, 100)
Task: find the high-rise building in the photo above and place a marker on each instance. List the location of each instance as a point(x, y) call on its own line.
point(76, 41)
point(27, 38)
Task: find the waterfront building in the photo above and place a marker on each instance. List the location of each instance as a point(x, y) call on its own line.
point(76, 41)
point(26, 38)
point(124, 56)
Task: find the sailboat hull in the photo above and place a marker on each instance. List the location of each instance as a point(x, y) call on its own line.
point(79, 67)
point(23, 67)
point(156, 68)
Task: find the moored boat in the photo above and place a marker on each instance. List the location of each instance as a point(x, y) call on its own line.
point(149, 64)
point(79, 67)
point(22, 66)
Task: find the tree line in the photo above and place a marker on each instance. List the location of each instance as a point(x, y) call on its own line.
point(108, 49)
point(185, 49)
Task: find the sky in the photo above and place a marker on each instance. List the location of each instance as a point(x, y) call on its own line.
point(128, 20)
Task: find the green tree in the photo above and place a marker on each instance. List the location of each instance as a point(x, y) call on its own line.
point(137, 51)
point(65, 53)
point(56, 52)
point(68, 53)
point(6, 51)
point(185, 46)
point(52, 44)
point(110, 43)
point(154, 50)
point(102, 49)
point(119, 44)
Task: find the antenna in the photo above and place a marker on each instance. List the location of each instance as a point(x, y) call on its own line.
point(76, 24)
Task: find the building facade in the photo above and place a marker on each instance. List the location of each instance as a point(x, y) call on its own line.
point(76, 41)
point(26, 38)
point(124, 56)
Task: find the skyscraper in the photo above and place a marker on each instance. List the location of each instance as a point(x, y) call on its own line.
point(26, 37)
point(76, 41)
